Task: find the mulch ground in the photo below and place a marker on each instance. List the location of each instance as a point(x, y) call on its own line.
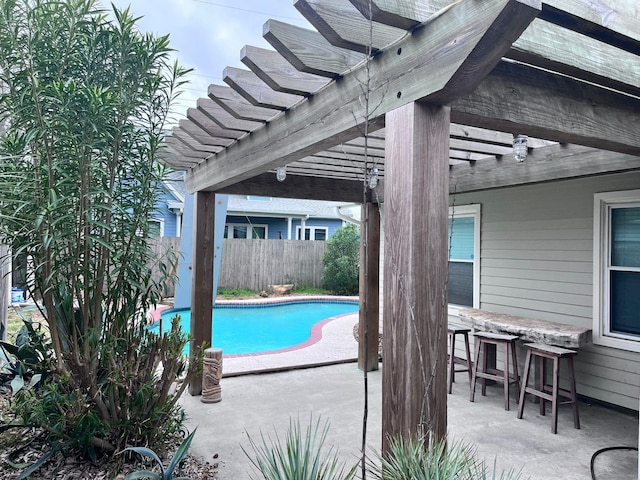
point(20, 448)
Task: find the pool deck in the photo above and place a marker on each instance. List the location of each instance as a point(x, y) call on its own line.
point(267, 402)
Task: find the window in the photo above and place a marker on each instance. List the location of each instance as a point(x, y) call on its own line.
point(617, 270)
point(464, 256)
point(235, 230)
point(313, 233)
point(156, 228)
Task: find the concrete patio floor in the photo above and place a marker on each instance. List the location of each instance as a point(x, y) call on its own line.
point(252, 403)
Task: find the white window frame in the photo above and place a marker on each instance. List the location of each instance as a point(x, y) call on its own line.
point(312, 233)
point(604, 203)
point(471, 210)
point(250, 227)
point(161, 222)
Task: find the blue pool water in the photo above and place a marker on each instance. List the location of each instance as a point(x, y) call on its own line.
point(242, 329)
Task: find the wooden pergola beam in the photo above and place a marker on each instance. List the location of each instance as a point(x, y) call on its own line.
point(558, 49)
point(237, 105)
point(210, 127)
point(612, 22)
point(223, 118)
point(438, 62)
point(406, 14)
point(274, 70)
point(201, 135)
point(553, 163)
point(295, 186)
point(342, 25)
point(309, 51)
point(192, 143)
point(258, 93)
point(516, 98)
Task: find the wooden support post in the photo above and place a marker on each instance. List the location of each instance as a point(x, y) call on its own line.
point(369, 319)
point(202, 278)
point(414, 377)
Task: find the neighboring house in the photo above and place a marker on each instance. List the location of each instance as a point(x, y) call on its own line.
point(254, 216)
point(168, 218)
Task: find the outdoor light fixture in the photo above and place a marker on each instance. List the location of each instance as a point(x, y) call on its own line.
point(520, 147)
point(281, 173)
point(372, 177)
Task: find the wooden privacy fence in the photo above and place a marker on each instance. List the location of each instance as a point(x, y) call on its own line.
point(166, 249)
point(256, 264)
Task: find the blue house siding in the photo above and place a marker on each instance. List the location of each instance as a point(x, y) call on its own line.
point(332, 224)
point(163, 213)
point(277, 228)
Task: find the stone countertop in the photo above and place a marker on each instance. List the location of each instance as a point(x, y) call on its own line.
point(528, 329)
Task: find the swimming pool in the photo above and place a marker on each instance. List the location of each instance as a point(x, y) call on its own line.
point(258, 328)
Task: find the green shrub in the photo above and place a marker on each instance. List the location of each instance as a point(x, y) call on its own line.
point(299, 457)
point(341, 261)
point(166, 473)
point(83, 119)
point(413, 459)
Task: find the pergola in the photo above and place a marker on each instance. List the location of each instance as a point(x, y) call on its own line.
point(429, 93)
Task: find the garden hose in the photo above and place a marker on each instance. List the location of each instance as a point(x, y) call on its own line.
point(602, 450)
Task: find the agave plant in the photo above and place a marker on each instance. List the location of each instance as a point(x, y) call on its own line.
point(416, 459)
point(165, 473)
point(299, 457)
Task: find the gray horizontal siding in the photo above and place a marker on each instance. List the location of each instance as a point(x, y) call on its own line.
point(537, 261)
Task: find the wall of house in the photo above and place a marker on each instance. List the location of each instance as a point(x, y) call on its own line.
point(162, 212)
point(537, 261)
point(277, 228)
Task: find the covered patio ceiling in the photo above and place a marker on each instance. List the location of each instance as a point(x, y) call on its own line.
point(564, 72)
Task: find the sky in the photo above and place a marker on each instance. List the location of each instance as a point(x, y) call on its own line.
point(208, 35)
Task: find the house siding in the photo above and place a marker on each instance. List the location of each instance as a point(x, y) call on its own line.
point(537, 261)
point(162, 212)
point(278, 227)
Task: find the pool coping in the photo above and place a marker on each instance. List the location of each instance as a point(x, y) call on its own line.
point(331, 341)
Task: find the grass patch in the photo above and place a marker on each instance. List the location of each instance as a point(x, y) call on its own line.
point(242, 293)
point(235, 293)
point(14, 319)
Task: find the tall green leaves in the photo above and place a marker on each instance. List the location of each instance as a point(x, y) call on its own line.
point(84, 98)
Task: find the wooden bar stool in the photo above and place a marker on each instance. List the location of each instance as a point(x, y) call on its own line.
point(553, 391)
point(455, 330)
point(484, 341)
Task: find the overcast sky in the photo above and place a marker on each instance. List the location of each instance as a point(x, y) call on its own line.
point(209, 34)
